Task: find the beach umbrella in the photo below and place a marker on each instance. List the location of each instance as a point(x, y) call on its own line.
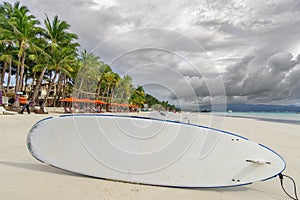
point(98, 102)
point(133, 106)
point(70, 99)
point(85, 100)
point(115, 104)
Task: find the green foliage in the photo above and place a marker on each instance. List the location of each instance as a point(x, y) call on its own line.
point(123, 90)
point(138, 97)
point(88, 73)
point(156, 104)
point(20, 29)
point(151, 101)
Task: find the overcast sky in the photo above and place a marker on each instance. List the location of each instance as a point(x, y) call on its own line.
point(192, 51)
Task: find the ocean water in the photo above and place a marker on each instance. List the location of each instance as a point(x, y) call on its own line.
point(280, 117)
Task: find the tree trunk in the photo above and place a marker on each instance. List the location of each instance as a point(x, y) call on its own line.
point(3, 75)
point(112, 91)
point(59, 90)
point(106, 91)
point(16, 105)
point(33, 83)
point(48, 92)
point(25, 81)
point(2, 81)
point(80, 88)
point(9, 75)
point(99, 87)
point(65, 81)
point(17, 76)
point(21, 85)
point(64, 87)
point(38, 85)
point(108, 105)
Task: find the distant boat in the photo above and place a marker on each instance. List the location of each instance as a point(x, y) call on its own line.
point(229, 111)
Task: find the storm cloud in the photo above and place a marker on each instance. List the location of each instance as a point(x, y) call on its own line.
point(193, 51)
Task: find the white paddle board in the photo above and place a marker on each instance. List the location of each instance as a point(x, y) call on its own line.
point(151, 151)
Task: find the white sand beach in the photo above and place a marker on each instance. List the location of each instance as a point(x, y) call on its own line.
point(23, 177)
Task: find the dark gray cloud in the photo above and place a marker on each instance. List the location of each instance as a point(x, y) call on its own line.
point(184, 46)
point(274, 81)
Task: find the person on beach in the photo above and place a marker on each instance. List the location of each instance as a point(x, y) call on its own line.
point(11, 100)
point(26, 106)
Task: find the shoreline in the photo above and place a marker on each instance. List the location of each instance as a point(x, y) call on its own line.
point(18, 167)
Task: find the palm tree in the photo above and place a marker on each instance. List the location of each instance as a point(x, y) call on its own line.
point(56, 36)
point(21, 29)
point(113, 84)
point(39, 69)
point(6, 56)
point(60, 61)
point(123, 89)
point(8, 62)
point(109, 80)
point(151, 100)
point(89, 72)
point(5, 44)
point(105, 69)
point(6, 59)
point(138, 97)
point(108, 84)
point(59, 54)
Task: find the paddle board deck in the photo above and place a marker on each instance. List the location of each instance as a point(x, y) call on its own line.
point(151, 151)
